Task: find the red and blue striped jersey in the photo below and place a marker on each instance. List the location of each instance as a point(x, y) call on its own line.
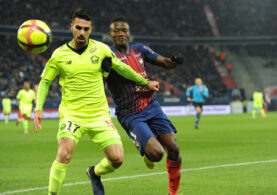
point(128, 95)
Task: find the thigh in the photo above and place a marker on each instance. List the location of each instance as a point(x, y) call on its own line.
point(140, 133)
point(29, 108)
point(103, 133)
point(114, 151)
point(22, 109)
point(168, 140)
point(198, 106)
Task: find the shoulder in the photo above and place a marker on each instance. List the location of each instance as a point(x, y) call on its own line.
point(98, 44)
point(137, 45)
point(60, 51)
point(141, 47)
point(113, 48)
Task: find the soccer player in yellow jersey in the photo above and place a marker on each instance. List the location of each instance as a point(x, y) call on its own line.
point(7, 108)
point(258, 103)
point(25, 98)
point(84, 107)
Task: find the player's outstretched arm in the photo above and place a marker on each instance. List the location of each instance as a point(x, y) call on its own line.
point(125, 70)
point(169, 63)
point(41, 96)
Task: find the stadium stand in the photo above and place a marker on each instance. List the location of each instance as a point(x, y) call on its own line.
point(245, 18)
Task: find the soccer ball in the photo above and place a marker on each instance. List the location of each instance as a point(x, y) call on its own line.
point(34, 36)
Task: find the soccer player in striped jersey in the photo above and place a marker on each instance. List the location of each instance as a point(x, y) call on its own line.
point(84, 107)
point(138, 112)
point(197, 94)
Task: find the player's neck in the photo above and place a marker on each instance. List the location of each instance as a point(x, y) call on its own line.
point(76, 46)
point(123, 48)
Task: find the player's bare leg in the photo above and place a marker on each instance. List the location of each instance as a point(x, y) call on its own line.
point(168, 140)
point(197, 117)
point(6, 118)
point(113, 160)
point(66, 148)
point(153, 152)
point(19, 118)
point(25, 124)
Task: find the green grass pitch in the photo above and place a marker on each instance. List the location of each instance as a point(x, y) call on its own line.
point(211, 157)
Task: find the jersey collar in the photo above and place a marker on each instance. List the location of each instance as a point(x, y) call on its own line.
point(78, 51)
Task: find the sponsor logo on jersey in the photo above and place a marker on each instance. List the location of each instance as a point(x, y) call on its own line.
point(92, 50)
point(66, 62)
point(137, 55)
point(148, 49)
point(94, 59)
point(141, 61)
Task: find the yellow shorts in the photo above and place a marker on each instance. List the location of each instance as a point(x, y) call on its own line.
point(26, 109)
point(7, 110)
point(101, 130)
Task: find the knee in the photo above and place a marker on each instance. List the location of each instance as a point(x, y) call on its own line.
point(173, 151)
point(156, 154)
point(64, 156)
point(116, 161)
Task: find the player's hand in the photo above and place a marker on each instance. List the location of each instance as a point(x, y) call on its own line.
point(107, 64)
point(37, 119)
point(153, 85)
point(177, 59)
point(189, 99)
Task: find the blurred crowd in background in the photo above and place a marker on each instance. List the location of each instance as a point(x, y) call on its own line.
point(179, 18)
point(23, 66)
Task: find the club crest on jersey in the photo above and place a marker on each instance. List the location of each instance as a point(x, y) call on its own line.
point(62, 127)
point(94, 59)
point(141, 61)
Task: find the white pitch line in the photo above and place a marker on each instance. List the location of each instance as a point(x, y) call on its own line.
point(146, 175)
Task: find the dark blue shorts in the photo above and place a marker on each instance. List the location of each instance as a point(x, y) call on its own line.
point(148, 123)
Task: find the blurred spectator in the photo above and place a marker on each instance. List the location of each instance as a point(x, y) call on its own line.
point(229, 68)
